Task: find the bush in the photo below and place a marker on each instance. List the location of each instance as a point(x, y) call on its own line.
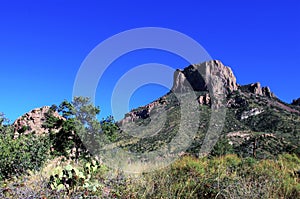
point(220, 177)
point(18, 155)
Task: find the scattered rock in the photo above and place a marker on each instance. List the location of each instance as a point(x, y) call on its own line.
point(250, 113)
point(241, 134)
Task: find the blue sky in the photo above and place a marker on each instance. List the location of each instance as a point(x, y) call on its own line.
point(43, 43)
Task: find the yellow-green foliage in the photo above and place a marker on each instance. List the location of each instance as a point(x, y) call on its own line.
point(218, 177)
point(221, 177)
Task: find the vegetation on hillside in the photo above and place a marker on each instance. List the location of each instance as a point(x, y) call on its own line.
point(262, 163)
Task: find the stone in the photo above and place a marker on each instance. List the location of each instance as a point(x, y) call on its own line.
point(266, 91)
point(204, 99)
point(257, 89)
point(296, 102)
point(210, 76)
point(250, 113)
point(33, 122)
point(142, 113)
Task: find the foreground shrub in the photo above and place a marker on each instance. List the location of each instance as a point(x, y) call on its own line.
point(221, 177)
point(218, 177)
point(17, 155)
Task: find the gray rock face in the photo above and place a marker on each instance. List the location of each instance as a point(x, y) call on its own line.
point(33, 122)
point(296, 102)
point(202, 77)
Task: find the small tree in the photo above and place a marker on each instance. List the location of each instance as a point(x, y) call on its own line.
point(3, 122)
point(109, 128)
point(222, 147)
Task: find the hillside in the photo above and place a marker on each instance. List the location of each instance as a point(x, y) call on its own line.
point(208, 137)
point(257, 123)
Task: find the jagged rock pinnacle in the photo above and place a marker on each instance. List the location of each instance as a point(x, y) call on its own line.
point(198, 76)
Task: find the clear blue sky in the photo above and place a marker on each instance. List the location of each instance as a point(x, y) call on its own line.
point(43, 43)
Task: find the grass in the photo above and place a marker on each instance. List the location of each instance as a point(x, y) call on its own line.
point(227, 176)
point(221, 177)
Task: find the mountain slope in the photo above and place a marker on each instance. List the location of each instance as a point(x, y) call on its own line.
point(257, 123)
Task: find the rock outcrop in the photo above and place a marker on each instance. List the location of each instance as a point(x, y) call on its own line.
point(296, 102)
point(250, 113)
point(256, 89)
point(142, 113)
point(204, 99)
point(33, 122)
point(204, 77)
point(214, 82)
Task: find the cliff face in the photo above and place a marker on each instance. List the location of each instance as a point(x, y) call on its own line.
point(201, 76)
point(211, 77)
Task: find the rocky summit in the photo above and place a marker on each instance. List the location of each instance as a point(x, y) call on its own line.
point(257, 89)
point(250, 108)
point(33, 122)
point(198, 77)
point(296, 102)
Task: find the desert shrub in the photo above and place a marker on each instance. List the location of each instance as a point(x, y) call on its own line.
point(220, 177)
point(222, 147)
point(226, 176)
point(17, 155)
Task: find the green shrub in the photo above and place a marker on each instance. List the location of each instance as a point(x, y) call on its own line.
point(27, 152)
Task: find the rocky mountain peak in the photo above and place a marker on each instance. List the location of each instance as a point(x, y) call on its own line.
point(199, 77)
point(257, 89)
point(296, 102)
point(33, 122)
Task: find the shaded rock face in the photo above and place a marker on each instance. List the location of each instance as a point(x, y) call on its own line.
point(201, 76)
point(266, 91)
point(256, 89)
point(33, 122)
point(296, 102)
point(204, 99)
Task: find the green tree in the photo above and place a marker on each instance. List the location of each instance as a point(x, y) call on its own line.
point(222, 147)
point(80, 134)
point(3, 122)
point(80, 124)
point(109, 128)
